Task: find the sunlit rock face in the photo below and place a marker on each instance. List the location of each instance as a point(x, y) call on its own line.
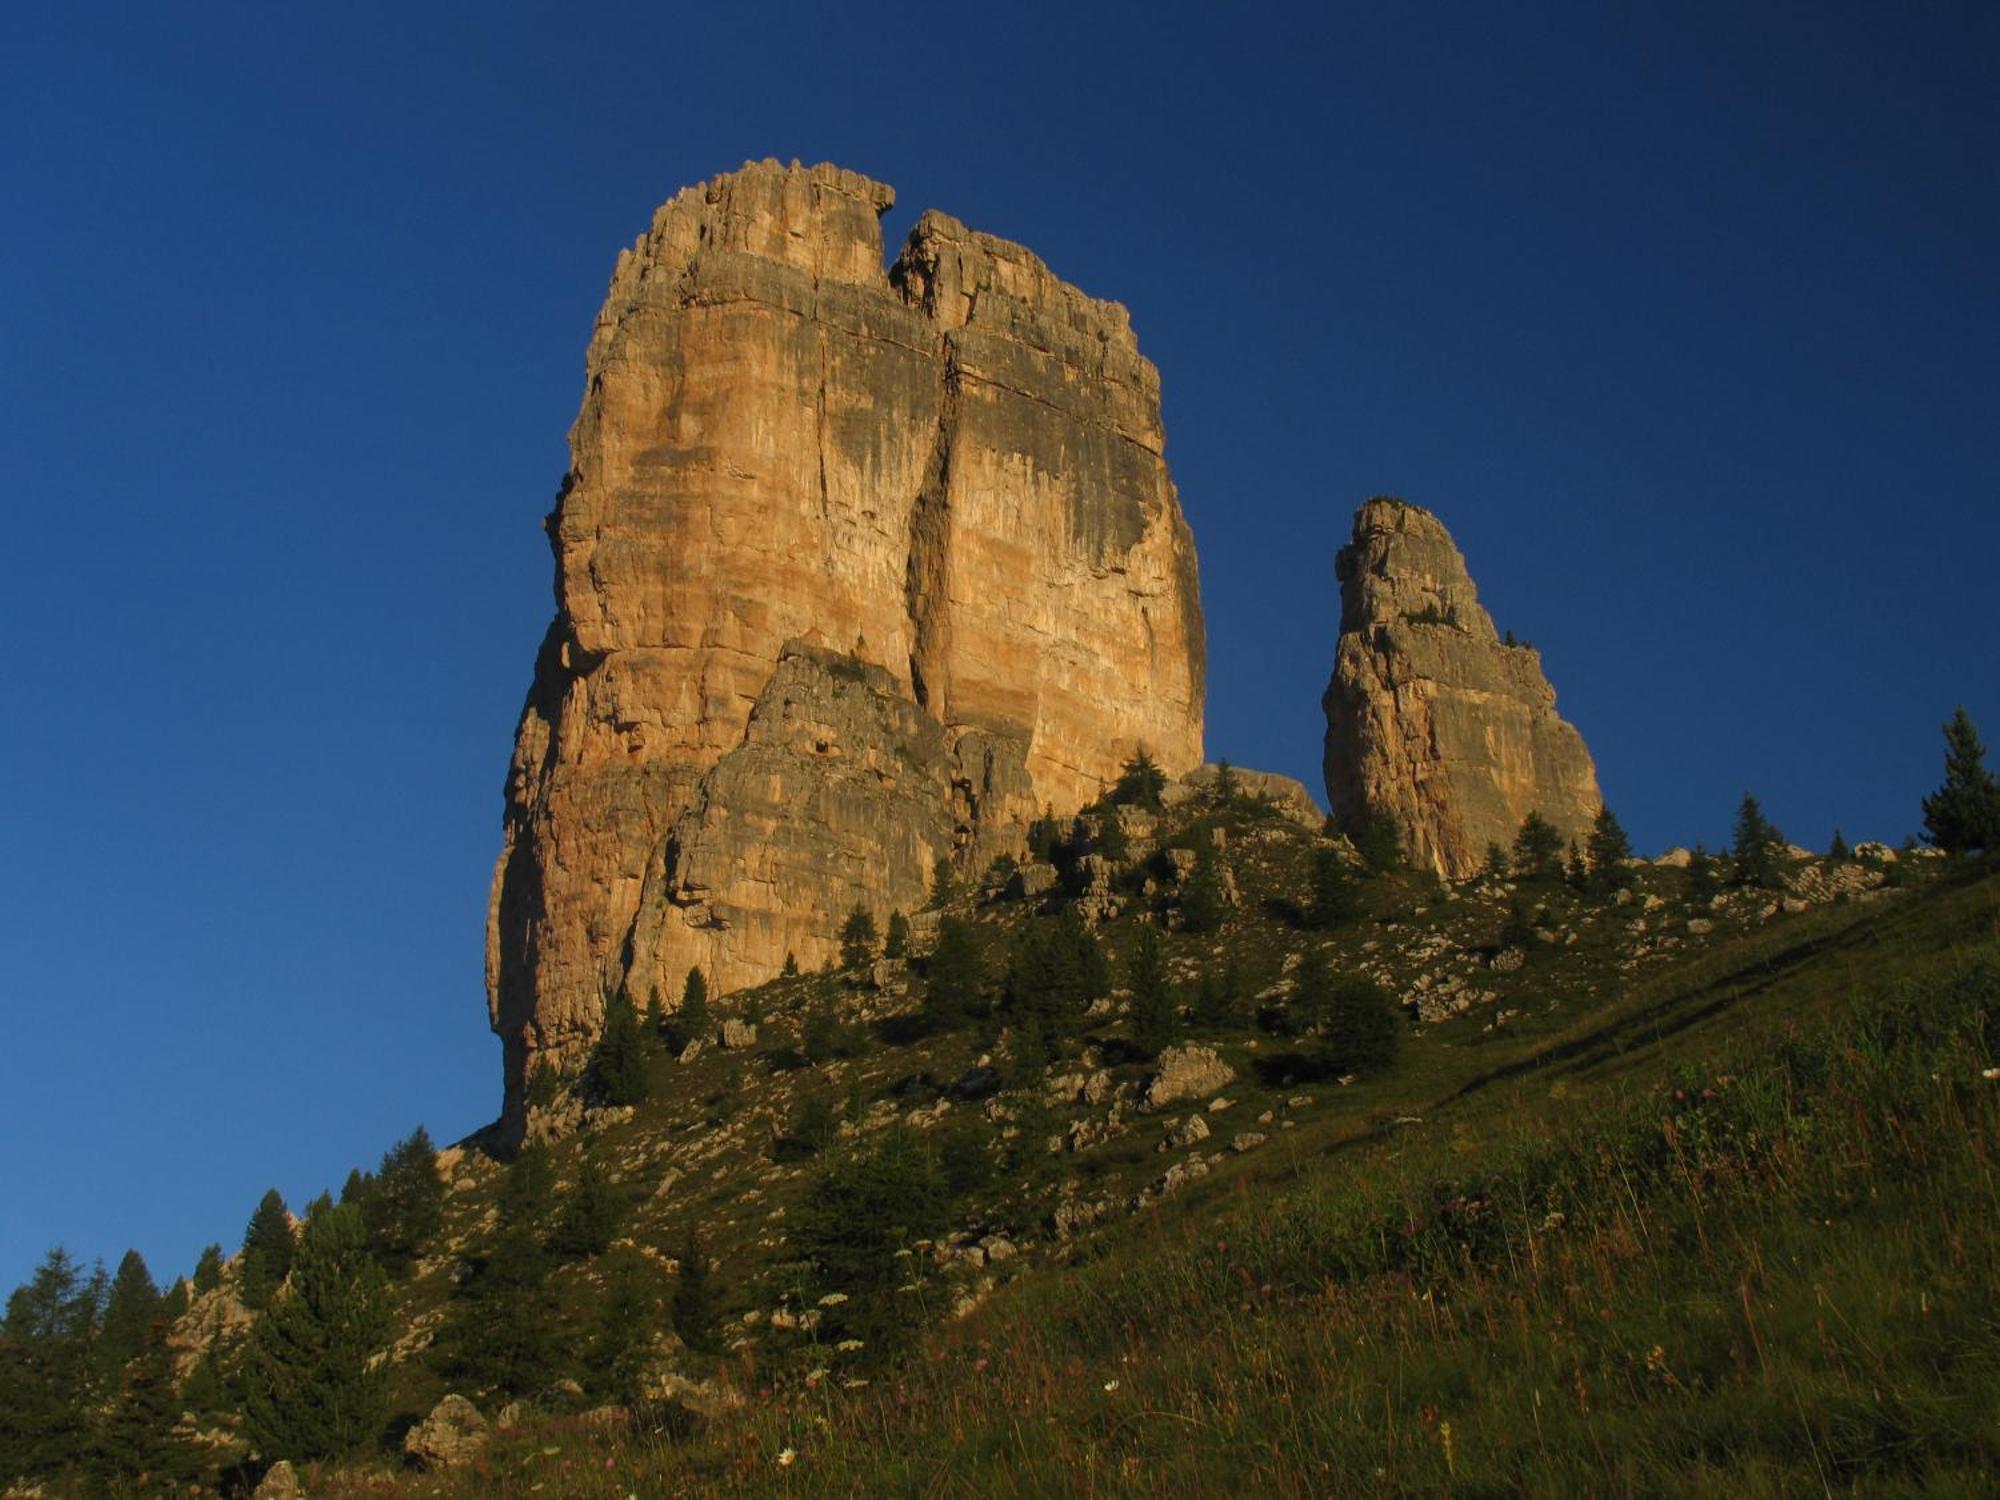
point(857, 568)
point(1432, 721)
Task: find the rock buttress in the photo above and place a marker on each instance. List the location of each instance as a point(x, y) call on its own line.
point(944, 477)
point(1431, 720)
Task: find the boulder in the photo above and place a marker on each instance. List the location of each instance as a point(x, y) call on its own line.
point(737, 1036)
point(1434, 721)
point(1188, 1071)
point(280, 1482)
point(453, 1435)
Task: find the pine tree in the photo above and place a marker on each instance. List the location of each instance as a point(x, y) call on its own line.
point(952, 977)
point(268, 1247)
point(656, 1017)
point(47, 1384)
point(1218, 1000)
point(588, 1219)
point(1312, 994)
point(1576, 872)
point(695, 1023)
point(620, 1354)
point(1538, 850)
point(897, 944)
point(130, 1310)
point(308, 1390)
point(1380, 845)
point(857, 940)
point(1703, 878)
point(1155, 1015)
point(1364, 1027)
point(1335, 897)
point(137, 1447)
point(528, 1187)
point(208, 1269)
point(406, 1205)
point(1759, 849)
point(1140, 783)
point(1963, 815)
point(619, 1062)
point(697, 1318)
point(1496, 861)
point(1609, 850)
point(1837, 851)
point(1204, 902)
point(499, 1332)
point(791, 968)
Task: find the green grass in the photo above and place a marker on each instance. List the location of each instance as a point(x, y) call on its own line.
point(1725, 1231)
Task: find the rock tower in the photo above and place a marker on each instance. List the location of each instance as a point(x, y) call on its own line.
point(1432, 721)
point(857, 568)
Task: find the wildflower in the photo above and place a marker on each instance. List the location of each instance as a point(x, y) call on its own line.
point(787, 1457)
point(979, 1365)
point(1990, 1074)
point(1111, 1385)
point(848, 1346)
point(833, 1299)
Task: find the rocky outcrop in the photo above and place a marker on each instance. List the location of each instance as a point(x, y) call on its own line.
point(452, 1436)
point(856, 568)
point(1432, 720)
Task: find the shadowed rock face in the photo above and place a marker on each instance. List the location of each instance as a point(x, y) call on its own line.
point(856, 568)
point(1431, 720)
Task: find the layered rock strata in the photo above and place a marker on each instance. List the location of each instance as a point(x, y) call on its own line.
point(1432, 720)
point(856, 569)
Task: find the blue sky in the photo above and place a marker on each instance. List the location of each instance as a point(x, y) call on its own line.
point(1683, 318)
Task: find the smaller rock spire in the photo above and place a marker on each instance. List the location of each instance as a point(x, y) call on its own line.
point(1433, 721)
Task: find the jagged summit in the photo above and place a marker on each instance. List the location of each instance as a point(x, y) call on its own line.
point(1433, 721)
point(812, 501)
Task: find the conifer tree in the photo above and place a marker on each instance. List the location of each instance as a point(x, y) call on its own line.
point(1963, 815)
point(697, 1318)
point(208, 1269)
point(695, 1021)
point(47, 1384)
point(1155, 1015)
point(406, 1205)
point(499, 1332)
point(952, 977)
point(1576, 872)
point(1380, 845)
point(1758, 850)
point(1609, 849)
point(308, 1389)
point(1140, 783)
point(588, 1218)
point(1203, 902)
point(1312, 994)
point(1837, 851)
point(791, 968)
point(528, 1187)
point(1538, 850)
point(129, 1311)
point(897, 944)
point(268, 1247)
point(619, 1062)
point(137, 1448)
point(1364, 1027)
point(1496, 861)
point(1335, 897)
point(857, 939)
point(1703, 878)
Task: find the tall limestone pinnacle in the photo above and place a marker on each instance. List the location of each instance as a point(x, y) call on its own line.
point(1431, 720)
point(857, 568)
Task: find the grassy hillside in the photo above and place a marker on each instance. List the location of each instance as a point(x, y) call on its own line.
point(1670, 1190)
point(1702, 1215)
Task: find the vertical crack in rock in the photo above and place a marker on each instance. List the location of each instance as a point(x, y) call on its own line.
point(1432, 721)
point(925, 578)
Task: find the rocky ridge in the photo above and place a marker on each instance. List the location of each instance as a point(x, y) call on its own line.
point(1433, 721)
point(857, 569)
